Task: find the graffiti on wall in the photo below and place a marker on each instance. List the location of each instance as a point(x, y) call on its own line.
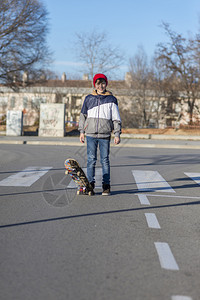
point(52, 119)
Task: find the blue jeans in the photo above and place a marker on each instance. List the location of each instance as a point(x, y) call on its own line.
point(104, 147)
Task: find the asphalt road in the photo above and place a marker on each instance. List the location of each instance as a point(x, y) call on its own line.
point(135, 244)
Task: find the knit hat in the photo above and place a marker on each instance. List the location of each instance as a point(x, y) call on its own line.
point(98, 76)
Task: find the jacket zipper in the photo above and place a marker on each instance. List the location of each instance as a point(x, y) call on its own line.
point(98, 114)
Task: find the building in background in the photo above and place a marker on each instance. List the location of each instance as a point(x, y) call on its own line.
point(134, 107)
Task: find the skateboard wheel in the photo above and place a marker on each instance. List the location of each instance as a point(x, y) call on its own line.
point(80, 191)
point(90, 193)
point(78, 173)
point(66, 172)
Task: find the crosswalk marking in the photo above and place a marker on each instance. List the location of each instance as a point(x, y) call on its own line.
point(194, 176)
point(151, 181)
point(146, 180)
point(25, 177)
point(98, 177)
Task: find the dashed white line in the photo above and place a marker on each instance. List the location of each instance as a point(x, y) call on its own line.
point(152, 221)
point(143, 199)
point(166, 257)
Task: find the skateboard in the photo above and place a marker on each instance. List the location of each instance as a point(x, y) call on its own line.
point(79, 177)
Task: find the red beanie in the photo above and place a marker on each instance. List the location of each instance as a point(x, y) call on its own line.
point(98, 76)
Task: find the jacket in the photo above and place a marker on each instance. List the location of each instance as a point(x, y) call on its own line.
point(100, 116)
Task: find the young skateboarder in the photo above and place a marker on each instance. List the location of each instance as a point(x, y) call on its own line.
point(99, 117)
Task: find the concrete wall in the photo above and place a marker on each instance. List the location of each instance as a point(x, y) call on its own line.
point(52, 120)
point(14, 124)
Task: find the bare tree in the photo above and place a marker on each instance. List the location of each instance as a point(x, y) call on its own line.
point(23, 30)
point(129, 113)
point(138, 68)
point(164, 85)
point(181, 58)
point(146, 99)
point(96, 54)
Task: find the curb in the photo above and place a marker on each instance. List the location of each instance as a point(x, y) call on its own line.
point(11, 142)
point(78, 144)
point(161, 137)
point(54, 143)
point(161, 146)
point(36, 143)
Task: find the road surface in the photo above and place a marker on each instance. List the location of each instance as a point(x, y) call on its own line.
point(142, 242)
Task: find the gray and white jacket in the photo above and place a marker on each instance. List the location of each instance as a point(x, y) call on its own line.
point(100, 116)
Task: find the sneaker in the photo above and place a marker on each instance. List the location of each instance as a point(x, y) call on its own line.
point(106, 190)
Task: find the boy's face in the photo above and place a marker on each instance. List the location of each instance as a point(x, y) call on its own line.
point(100, 86)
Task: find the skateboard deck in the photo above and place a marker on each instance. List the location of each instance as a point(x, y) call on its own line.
point(74, 170)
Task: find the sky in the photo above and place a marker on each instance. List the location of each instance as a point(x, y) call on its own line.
point(128, 24)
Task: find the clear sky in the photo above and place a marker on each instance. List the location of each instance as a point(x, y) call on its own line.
point(128, 24)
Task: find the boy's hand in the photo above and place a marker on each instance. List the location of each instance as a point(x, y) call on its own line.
point(82, 138)
point(116, 140)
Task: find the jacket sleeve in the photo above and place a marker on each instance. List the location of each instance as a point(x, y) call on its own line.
point(116, 120)
point(83, 117)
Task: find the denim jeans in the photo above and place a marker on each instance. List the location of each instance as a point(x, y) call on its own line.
point(104, 147)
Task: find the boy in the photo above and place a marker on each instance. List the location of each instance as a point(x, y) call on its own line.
point(99, 117)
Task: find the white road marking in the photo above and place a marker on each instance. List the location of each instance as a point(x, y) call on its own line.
point(143, 199)
point(194, 176)
point(98, 177)
point(25, 177)
point(152, 221)
point(181, 298)
point(151, 181)
point(166, 257)
point(170, 196)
